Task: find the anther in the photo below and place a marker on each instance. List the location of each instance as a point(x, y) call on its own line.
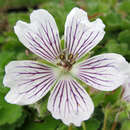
point(70, 57)
point(62, 56)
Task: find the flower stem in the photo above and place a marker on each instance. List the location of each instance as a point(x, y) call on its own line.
point(114, 125)
point(105, 122)
point(115, 122)
point(70, 127)
point(83, 126)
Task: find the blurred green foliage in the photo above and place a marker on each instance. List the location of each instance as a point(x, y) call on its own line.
point(116, 16)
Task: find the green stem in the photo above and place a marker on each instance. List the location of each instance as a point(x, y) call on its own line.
point(70, 127)
point(115, 121)
point(83, 126)
point(114, 125)
point(105, 122)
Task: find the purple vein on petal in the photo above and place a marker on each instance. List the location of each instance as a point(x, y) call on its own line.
point(50, 42)
point(74, 36)
point(56, 42)
point(89, 81)
point(84, 43)
point(47, 86)
point(58, 91)
point(45, 43)
point(36, 49)
point(78, 42)
point(87, 46)
point(70, 35)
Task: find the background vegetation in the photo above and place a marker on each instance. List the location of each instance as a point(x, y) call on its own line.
point(110, 112)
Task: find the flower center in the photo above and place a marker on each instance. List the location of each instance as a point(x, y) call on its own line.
point(66, 60)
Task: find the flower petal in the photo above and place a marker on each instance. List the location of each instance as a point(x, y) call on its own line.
point(80, 34)
point(101, 72)
point(29, 81)
point(125, 69)
point(126, 93)
point(70, 102)
point(41, 36)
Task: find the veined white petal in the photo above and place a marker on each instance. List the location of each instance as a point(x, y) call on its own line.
point(41, 36)
point(126, 93)
point(80, 34)
point(125, 69)
point(70, 102)
point(29, 81)
point(101, 72)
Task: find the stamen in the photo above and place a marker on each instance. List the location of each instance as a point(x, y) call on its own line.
point(66, 60)
point(62, 56)
point(70, 56)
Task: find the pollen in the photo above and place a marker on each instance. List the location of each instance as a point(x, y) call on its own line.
point(66, 60)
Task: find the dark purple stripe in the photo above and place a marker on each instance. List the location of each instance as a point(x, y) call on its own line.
point(39, 84)
point(67, 99)
point(78, 43)
point(70, 33)
point(44, 42)
point(94, 73)
point(57, 47)
point(91, 80)
point(86, 48)
point(74, 37)
point(34, 73)
point(94, 78)
point(51, 43)
point(66, 34)
point(48, 51)
point(74, 95)
point(58, 91)
point(84, 42)
point(36, 50)
point(75, 85)
point(46, 32)
point(32, 80)
point(61, 95)
point(93, 62)
point(103, 66)
point(33, 67)
point(37, 43)
point(47, 86)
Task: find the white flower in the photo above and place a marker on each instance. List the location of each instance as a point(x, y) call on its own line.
point(125, 68)
point(29, 81)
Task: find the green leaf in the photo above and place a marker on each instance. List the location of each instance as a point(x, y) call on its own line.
point(49, 124)
point(113, 21)
point(92, 124)
point(14, 17)
point(5, 57)
point(7, 127)
point(122, 116)
point(9, 113)
point(113, 46)
point(112, 97)
point(124, 36)
point(125, 125)
point(98, 98)
point(125, 6)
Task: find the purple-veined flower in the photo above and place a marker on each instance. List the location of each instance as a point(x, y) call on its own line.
point(125, 68)
point(29, 81)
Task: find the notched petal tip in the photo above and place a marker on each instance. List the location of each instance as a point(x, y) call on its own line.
point(100, 23)
point(81, 35)
point(29, 81)
point(37, 14)
point(41, 35)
